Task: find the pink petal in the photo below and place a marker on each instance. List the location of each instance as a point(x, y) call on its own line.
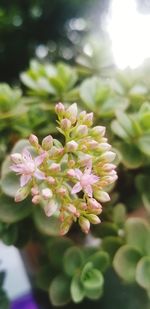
point(88, 190)
point(16, 168)
point(39, 175)
point(26, 155)
point(94, 179)
point(87, 171)
point(78, 173)
point(38, 160)
point(77, 188)
point(50, 209)
point(24, 180)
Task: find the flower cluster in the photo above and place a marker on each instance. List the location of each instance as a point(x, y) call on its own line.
point(68, 179)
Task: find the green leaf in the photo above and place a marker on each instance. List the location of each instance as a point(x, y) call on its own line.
point(105, 229)
point(119, 130)
point(111, 244)
point(144, 144)
point(57, 245)
point(142, 184)
point(77, 289)
point(10, 184)
point(91, 278)
point(100, 260)
point(143, 272)
point(125, 262)
point(48, 226)
point(126, 123)
point(72, 260)
point(11, 212)
point(20, 145)
point(131, 156)
point(60, 291)
point(119, 214)
point(137, 233)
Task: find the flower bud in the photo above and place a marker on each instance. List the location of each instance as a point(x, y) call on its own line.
point(93, 219)
point(71, 113)
point(36, 199)
point(47, 142)
point(98, 130)
point(71, 163)
point(92, 203)
point(34, 191)
point(62, 191)
point(47, 193)
point(103, 147)
point(59, 109)
point(50, 208)
point(22, 193)
point(92, 145)
point(71, 146)
point(88, 119)
point(51, 180)
point(84, 224)
point(16, 158)
point(108, 156)
point(72, 209)
point(102, 196)
point(71, 173)
point(65, 124)
point(108, 167)
point(55, 167)
point(65, 226)
point(33, 140)
point(81, 130)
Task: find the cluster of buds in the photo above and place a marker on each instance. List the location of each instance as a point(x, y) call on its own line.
point(69, 180)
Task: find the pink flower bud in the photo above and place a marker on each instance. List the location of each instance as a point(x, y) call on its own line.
point(71, 113)
point(36, 199)
point(103, 147)
point(34, 191)
point(47, 193)
point(62, 191)
point(108, 167)
point(92, 203)
point(84, 224)
point(59, 109)
point(22, 193)
point(33, 140)
point(47, 142)
point(88, 119)
point(108, 156)
point(65, 226)
point(93, 219)
point(102, 196)
point(71, 173)
point(16, 158)
point(92, 144)
point(55, 167)
point(81, 130)
point(51, 180)
point(99, 130)
point(65, 124)
point(50, 208)
point(71, 146)
point(72, 209)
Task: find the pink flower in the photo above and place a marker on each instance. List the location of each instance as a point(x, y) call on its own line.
point(86, 180)
point(28, 167)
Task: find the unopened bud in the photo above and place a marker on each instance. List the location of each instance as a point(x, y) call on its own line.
point(51, 180)
point(71, 163)
point(55, 167)
point(84, 224)
point(92, 144)
point(47, 193)
point(62, 191)
point(50, 208)
point(47, 142)
point(72, 209)
point(65, 124)
point(92, 203)
point(108, 167)
point(34, 191)
point(88, 119)
point(65, 226)
point(22, 193)
point(99, 130)
point(71, 173)
point(33, 140)
point(16, 158)
point(71, 146)
point(81, 130)
point(103, 147)
point(108, 156)
point(102, 196)
point(59, 109)
point(36, 199)
point(71, 113)
point(93, 219)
